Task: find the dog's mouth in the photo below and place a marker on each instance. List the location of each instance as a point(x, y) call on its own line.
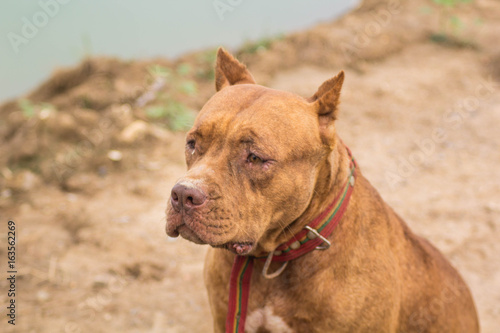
point(239, 248)
point(196, 234)
point(189, 234)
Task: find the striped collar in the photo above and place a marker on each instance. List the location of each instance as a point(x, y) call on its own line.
point(312, 237)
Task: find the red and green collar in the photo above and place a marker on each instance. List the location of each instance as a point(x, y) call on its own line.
point(312, 237)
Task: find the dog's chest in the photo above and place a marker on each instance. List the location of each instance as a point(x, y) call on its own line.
point(265, 320)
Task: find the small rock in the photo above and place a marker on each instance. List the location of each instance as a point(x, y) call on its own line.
point(66, 122)
point(42, 295)
point(133, 132)
point(492, 207)
point(115, 155)
point(62, 124)
point(45, 113)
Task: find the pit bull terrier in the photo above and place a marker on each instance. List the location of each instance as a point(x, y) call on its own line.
point(274, 191)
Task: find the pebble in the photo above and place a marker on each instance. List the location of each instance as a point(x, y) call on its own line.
point(42, 295)
point(115, 155)
point(134, 132)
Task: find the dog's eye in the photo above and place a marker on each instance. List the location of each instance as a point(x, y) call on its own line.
point(252, 158)
point(191, 144)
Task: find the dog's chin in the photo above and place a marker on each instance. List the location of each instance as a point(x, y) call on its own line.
point(186, 233)
point(194, 232)
point(240, 248)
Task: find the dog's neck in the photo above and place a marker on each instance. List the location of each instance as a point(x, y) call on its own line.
point(332, 175)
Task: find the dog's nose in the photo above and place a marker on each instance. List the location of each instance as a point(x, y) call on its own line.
point(186, 198)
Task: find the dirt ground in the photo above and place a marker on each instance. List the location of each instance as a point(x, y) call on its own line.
point(85, 172)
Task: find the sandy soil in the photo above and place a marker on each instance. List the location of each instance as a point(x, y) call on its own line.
point(420, 117)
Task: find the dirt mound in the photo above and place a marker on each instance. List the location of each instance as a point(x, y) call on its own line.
point(93, 119)
point(375, 30)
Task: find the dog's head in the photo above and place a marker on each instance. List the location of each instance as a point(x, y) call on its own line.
point(254, 156)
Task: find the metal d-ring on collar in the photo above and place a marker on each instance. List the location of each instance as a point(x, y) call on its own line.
point(326, 243)
point(268, 263)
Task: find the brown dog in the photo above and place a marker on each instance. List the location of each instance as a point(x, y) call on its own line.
point(263, 164)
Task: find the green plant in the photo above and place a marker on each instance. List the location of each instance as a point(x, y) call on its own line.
point(450, 3)
point(265, 43)
point(168, 109)
point(188, 87)
point(177, 80)
point(177, 115)
point(27, 108)
point(448, 19)
point(206, 65)
point(159, 71)
point(450, 24)
point(183, 69)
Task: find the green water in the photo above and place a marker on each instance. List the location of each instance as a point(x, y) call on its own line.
point(39, 36)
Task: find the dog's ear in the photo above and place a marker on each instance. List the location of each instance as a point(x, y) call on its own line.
point(229, 71)
point(326, 101)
